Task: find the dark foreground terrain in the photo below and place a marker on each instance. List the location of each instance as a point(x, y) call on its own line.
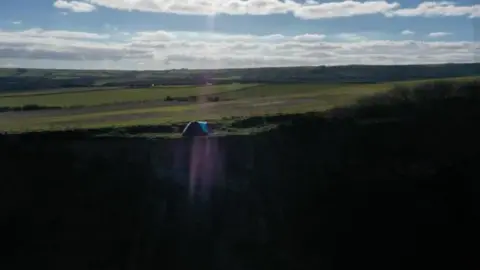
point(391, 183)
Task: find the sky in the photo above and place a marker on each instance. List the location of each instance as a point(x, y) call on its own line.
point(172, 34)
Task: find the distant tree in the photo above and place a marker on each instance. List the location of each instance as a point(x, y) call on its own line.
point(213, 99)
point(31, 107)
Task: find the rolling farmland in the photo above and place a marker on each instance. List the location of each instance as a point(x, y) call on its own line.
point(117, 107)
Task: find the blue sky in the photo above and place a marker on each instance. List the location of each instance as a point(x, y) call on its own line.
point(163, 34)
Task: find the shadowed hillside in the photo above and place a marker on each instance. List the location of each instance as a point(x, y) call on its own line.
point(390, 183)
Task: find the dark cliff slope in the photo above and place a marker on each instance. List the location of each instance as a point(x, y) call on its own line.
point(379, 188)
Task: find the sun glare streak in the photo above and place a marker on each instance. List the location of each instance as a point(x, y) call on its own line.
point(208, 53)
point(205, 167)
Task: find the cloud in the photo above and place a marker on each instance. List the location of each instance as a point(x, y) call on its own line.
point(202, 7)
point(74, 6)
point(308, 10)
point(163, 49)
point(17, 22)
point(40, 33)
point(435, 9)
point(309, 37)
point(439, 34)
point(153, 36)
point(343, 9)
point(407, 32)
point(351, 37)
point(37, 43)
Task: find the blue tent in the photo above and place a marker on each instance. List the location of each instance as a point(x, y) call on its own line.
point(196, 128)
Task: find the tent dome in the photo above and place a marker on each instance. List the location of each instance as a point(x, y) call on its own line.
point(196, 128)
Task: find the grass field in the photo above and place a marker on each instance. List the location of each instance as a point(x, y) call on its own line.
point(92, 96)
point(130, 107)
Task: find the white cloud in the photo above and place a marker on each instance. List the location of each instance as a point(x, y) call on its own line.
point(154, 36)
point(309, 37)
point(310, 9)
point(351, 37)
point(439, 34)
point(343, 9)
point(407, 32)
point(17, 22)
point(74, 6)
point(204, 7)
point(64, 45)
point(163, 49)
point(444, 8)
point(40, 33)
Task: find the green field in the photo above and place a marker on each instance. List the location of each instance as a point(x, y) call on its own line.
point(99, 96)
point(114, 107)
